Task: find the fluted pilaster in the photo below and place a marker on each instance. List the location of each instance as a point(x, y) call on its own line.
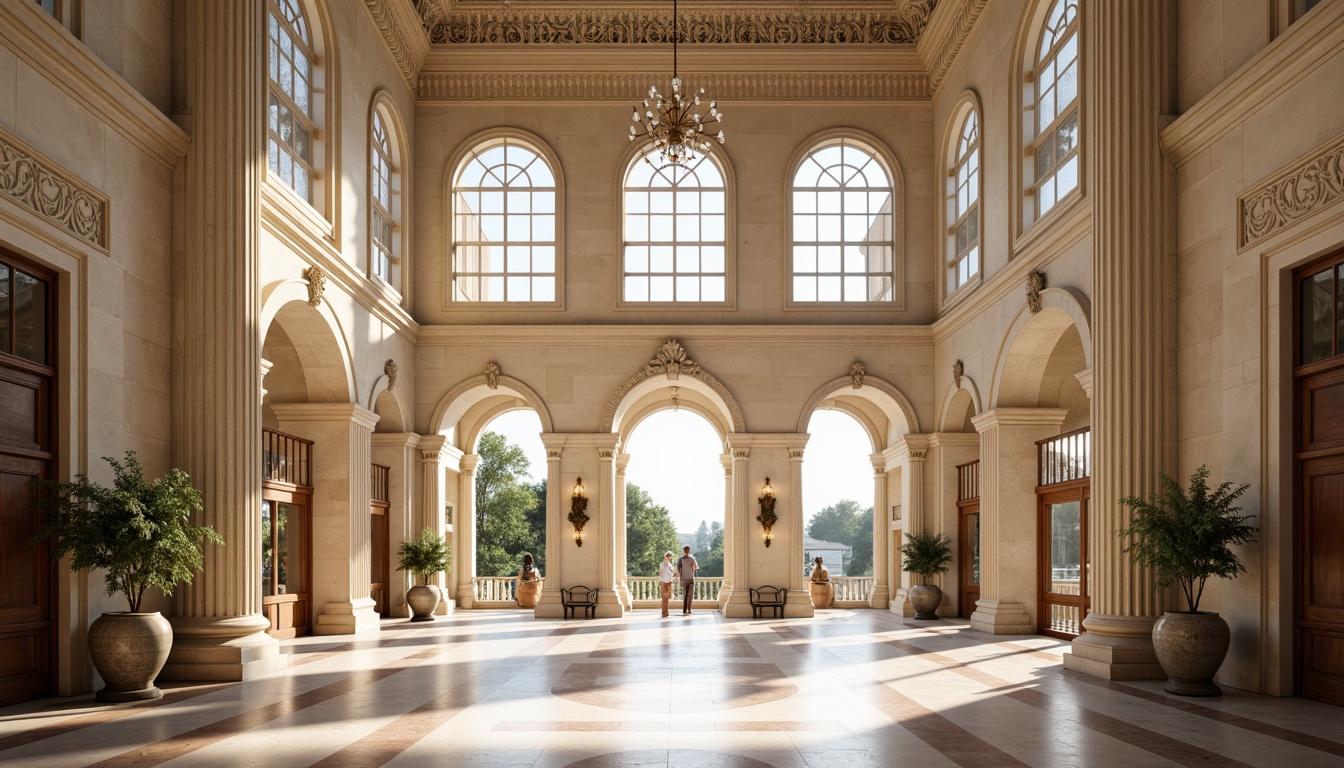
point(1132, 402)
point(622, 527)
point(608, 601)
point(726, 461)
point(548, 605)
point(881, 594)
point(219, 631)
point(737, 603)
point(399, 452)
point(465, 531)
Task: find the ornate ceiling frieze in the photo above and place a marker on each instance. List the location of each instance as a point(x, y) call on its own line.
point(1293, 193)
point(795, 23)
point(405, 39)
point(619, 87)
point(944, 50)
point(39, 184)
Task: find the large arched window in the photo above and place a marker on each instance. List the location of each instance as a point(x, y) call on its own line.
point(291, 128)
point(843, 225)
point(963, 203)
point(504, 224)
point(385, 197)
point(1054, 91)
point(675, 246)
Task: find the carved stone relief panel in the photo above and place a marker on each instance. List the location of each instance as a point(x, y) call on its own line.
point(1293, 193)
point(39, 184)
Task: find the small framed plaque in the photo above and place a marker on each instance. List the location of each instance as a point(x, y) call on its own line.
point(895, 513)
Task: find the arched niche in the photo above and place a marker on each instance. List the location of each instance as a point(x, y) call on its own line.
point(463, 413)
point(390, 407)
point(959, 405)
point(671, 379)
point(1041, 358)
point(882, 409)
point(310, 359)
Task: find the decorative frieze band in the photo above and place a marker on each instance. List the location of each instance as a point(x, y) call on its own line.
point(38, 183)
point(940, 59)
point(1291, 194)
point(628, 86)
point(402, 33)
point(788, 24)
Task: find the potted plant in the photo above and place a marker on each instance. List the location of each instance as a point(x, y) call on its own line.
point(424, 555)
point(139, 532)
point(925, 554)
point(1187, 537)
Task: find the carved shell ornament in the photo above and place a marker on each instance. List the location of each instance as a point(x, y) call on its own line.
point(856, 374)
point(492, 373)
point(672, 361)
point(1035, 284)
point(317, 285)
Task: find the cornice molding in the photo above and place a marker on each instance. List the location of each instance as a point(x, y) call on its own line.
point(949, 26)
point(1314, 181)
point(403, 33)
point(640, 24)
point(831, 87)
point(905, 336)
point(1299, 51)
point(34, 37)
point(41, 185)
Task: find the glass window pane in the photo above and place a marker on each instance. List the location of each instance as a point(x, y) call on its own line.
point(829, 288)
point(267, 551)
point(519, 289)
point(660, 258)
point(804, 202)
point(543, 228)
point(688, 259)
point(688, 227)
point(518, 259)
point(660, 228)
point(492, 287)
point(543, 259)
point(636, 288)
point(804, 288)
point(804, 258)
point(636, 202)
point(5, 330)
point(712, 289)
point(712, 260)
point(828, 258)
point(1317, 321)
point(636, 258)
point(712, 228)
point(543, 289)
point(805, 229)
point(661, 289)
point(30, 317)
point(637, 228)
point(688, 288)
point(543, 202)
point(855, 288)
point(1065, 548)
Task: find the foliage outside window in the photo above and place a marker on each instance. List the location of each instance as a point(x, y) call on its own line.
point(504, 225)
point(964, 205)
point(382, 199)
point(845, 522)
point(649, 533)
point(1055, 80)
point(289, 113)
point(675, 232)
point(510, 512)
point(843, 226)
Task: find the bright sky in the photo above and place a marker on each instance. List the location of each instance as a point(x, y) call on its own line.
point(674, 455)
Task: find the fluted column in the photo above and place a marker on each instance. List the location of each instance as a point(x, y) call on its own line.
point(912, 451)
point(880, 597)
point(398, 451)
point(465, 530)
point(548, 605)
point(436, 457)
point(726, 461)
point(622, 527)
point(800, 597)
point(737, 604)
point(218, 628)
point(609, 604)
point(341, 435)
point(1132, 323)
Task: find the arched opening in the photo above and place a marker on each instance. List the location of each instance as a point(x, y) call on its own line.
point(838, 509)
point(672, 475)
point(509, 517)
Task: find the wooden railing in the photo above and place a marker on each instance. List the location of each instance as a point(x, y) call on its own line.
point(378, 489)
point(968, 480)
point(286, 458)
point(852, 590)
point(494, 591)
point(645, 589)
point(1064, 458)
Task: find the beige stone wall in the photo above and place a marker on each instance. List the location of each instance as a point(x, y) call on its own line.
point(135, 39)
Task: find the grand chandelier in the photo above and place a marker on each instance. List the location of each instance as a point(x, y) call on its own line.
point(672, 125)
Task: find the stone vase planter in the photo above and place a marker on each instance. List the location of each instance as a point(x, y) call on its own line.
point(423, 599)
point(925, 599)
point(823, 594)
point(1191, 647)
point(529, 592)
point(129, 650)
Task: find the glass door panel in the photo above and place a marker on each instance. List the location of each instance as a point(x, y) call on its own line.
point(1066, 565)
point(969, 551)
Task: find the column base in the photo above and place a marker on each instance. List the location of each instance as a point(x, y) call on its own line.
point(609, 604)
point(1001, 617)
point(465, 597)
point(549, 605)
point(446, 607)
point(798, 604)
point(900, 604)
point(624, 591)
point(880, 597)
point(725, 591)
point(1116, 648)
point(227, 649)
point(737, 605)
point(356, 617)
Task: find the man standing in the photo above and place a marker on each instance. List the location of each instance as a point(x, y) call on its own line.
point(666, 573)
point(686, 568)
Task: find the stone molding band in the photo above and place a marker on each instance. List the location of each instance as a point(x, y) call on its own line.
point(41, 185)
point(625, 87)
point(1291, 194)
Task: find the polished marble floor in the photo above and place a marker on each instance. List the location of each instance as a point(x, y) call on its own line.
point(848, 688)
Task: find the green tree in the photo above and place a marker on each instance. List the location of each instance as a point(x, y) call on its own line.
point(710, 558)
point(845, 522)
point(503, 501)
point(703, 540)
point(536, 522)
point(649, 532)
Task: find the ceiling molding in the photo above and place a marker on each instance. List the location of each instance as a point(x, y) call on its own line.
point(400, 25)
point(948, 28)
point(523, 23)
point(591, 86)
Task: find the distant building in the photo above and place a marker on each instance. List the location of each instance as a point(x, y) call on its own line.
point(833, 555)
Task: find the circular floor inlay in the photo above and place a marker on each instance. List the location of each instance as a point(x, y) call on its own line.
point(681, 758)
point(680, 687)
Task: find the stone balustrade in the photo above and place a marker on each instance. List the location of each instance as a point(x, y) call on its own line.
point(495, 591)
point(852, 591)
point(645, 592)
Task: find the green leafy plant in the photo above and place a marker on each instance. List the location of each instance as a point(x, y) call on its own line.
point(925, 554)
point(424, 555)
point(138, 530)
point(1187, 537)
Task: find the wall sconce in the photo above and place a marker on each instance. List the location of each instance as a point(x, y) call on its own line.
point(767, 518)
point(578, 503)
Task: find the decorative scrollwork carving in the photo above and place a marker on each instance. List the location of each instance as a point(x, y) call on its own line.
point(1291, 195)
point(529, 86)
point(958, 370)
point(1035, 284)
point(492, 373)
point(317, 284)
point(672, 360)
point(51, 192)
point(956, 38)
point(390, 371)
point(856, 374)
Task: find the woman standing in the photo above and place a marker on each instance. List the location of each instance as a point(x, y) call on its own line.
point(666, 573)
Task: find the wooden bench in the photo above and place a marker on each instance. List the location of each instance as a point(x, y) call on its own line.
point(767, 597)
point(579, 597)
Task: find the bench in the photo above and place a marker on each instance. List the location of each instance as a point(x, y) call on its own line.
point(580, 597)
point(767, 597)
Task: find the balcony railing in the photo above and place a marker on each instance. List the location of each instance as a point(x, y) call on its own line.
point(286, 458)
point(852, 591)
point(645, 592)
point(1067, 457)
point(968, 480)
point(380, 480)
point(495, 591)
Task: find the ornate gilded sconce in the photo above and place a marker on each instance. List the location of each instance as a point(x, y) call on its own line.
point(767, 518)
point(578, 502)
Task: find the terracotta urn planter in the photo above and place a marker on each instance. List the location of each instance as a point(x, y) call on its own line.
point(925, 599)
point(129, 650)
point(823, 594)
point(529, 592)
point(1191, 647)
point(423, 599)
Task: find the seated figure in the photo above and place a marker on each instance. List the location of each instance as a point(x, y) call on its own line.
point(819, 572)
point(823, 594)
point(529, 584)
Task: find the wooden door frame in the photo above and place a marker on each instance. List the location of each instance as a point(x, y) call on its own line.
point(278, 492)
point(382, 509)
point(965, 508)
point(1061, 493)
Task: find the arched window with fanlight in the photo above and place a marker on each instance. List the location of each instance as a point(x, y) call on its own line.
point(506, 223)
point(844, 225)
point(386, 199)
point(291, 101)
point(963, 200)
point(1053, 110)
point(676, 232)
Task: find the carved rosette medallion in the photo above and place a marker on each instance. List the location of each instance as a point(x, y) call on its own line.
point(390, 370)
point(856, 374)
point(492, 373)
point(958, 370)
point(1035, 284)
point(317, 285)
point(1293, 194)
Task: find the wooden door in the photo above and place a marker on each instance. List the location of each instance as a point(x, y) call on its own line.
point(969, 555)
point(1319, 517)
point(1062, 546)
point(27, 452)
point(286, 596)
point(379, 576)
